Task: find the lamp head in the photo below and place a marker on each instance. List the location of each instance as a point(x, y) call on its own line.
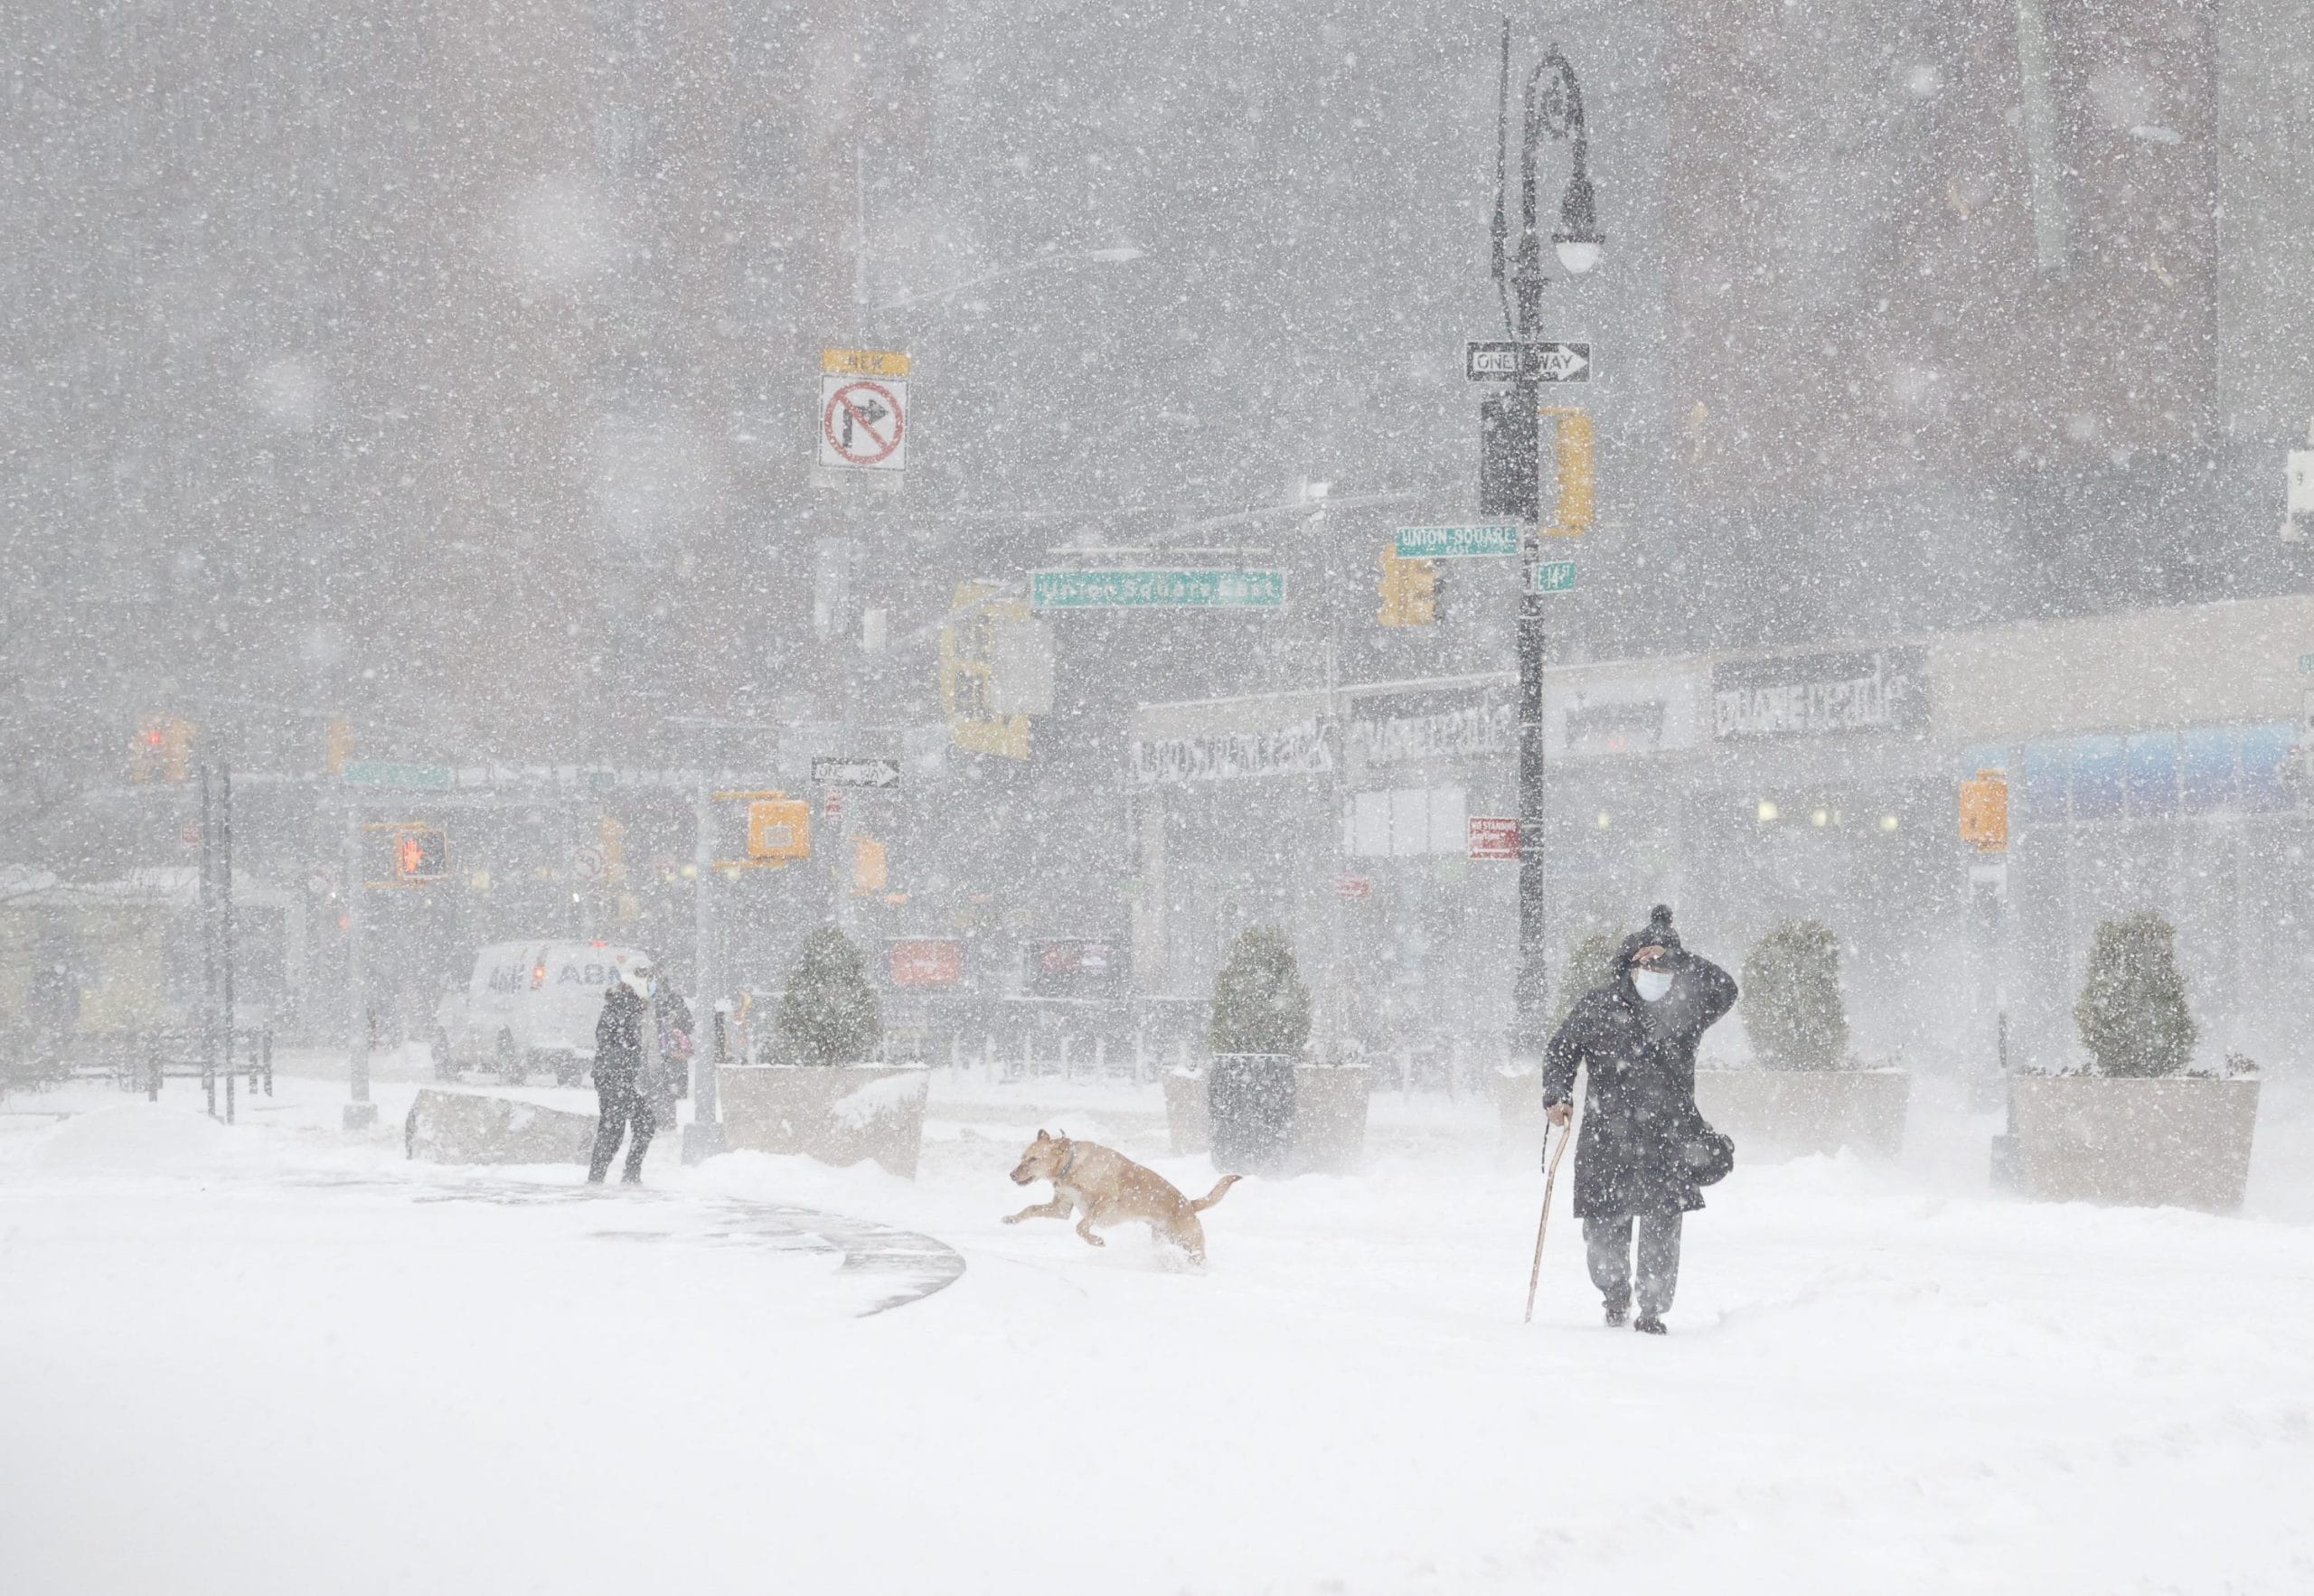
point(1577, 240)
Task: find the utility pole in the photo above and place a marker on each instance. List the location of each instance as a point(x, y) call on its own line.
point(361, 1113)
point(703, 1137)
point(1510, 473)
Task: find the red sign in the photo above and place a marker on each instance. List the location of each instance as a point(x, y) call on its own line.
point(1354, 886)
point(1493, 836)
point(862, 422)
point(835, 804)
point(928, 961)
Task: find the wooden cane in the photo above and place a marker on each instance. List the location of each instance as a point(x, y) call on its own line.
point(1550, 1180)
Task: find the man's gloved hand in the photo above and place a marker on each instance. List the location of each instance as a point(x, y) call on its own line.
point(1559, 1114)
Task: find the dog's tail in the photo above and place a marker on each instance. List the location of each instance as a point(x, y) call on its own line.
point(1216, 1194)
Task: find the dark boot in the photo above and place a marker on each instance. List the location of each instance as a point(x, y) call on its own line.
point(1646, 1323)
point(1618, 1315)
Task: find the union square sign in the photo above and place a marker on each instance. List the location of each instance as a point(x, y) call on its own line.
point(1881, 690)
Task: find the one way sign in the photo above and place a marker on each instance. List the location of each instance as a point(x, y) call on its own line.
point(856, 772)
point(1500, 360)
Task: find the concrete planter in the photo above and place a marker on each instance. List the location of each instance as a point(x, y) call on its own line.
point(469, 1128)
point(1187, 1121)
point(2179, 1141)
point(837, 1113)
point(1329, 1103)
point(1518, 1096)
point(1776, 1114)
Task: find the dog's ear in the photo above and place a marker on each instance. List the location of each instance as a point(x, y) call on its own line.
point(1042, 1137)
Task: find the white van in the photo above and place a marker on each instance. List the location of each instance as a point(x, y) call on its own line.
point(532, 1006)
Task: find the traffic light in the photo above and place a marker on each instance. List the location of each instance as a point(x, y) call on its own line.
point(779, 829)
point(337, 745)
point(1409, 591)
point(1507, 459)
point(1573, 450)
point(163, 749)
point(421, 853)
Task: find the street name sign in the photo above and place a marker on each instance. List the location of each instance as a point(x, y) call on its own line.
point(863, 363)
point(1553, 576)
point(1504, 359)
point(1157, 590)
point(856, 772)
point(1486, 540)
point(1493, 836)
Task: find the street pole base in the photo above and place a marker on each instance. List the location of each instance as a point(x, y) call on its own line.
point(702, 1141)
point(361, 1116)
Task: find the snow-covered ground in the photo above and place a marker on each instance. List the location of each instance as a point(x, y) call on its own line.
point(273, 1359)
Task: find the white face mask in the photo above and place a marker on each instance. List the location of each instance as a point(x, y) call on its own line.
point(1652, 983)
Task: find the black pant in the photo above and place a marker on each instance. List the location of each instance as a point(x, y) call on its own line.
point(1608, 1243)
point(622, 1105)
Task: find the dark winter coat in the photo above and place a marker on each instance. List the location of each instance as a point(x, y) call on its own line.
point(618, 1034)
point(1642, 1100)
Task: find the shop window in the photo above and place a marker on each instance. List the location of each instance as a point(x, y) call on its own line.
point(2149, 774)
point(2206, 768)
point(2096, 778)
point(1404, 822)
point(2041, 794)
point(2265, 750)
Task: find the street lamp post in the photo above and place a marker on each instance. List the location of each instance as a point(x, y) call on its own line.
point(1553, 107)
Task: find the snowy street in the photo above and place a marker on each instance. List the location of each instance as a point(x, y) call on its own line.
point(268, 1359)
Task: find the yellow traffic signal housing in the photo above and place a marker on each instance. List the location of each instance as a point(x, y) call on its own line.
point(1409, 591)
point(779, 829)
point(162, 748)
point(421, 853)
point(337, 746)
point(1984, 812)
point(870, 866)
point(1573, 446)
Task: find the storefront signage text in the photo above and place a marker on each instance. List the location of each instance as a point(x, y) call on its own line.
point(1306, 749)
point(1478, 731)
point(1819, 695)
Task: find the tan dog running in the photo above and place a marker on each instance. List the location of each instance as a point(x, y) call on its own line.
point(1106, 1187)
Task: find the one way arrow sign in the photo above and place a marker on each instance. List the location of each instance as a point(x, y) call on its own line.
point(1500, 360)
point(856, 772)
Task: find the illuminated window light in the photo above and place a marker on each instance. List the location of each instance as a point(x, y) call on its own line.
point(1767, 812)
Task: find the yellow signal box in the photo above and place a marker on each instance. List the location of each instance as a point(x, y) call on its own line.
point(1575, 448)
point(870, 866)
point(163, 749)
point(1409, 591)
point(1984, 812)
point(779, 829)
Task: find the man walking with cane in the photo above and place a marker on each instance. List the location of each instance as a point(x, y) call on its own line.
point(1645, 1154)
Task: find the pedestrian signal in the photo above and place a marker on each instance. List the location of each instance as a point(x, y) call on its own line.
point(1409, 591)
point(421, 853)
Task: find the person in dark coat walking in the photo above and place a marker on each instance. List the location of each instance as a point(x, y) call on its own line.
point(619, 1085)
point(1635, 1164)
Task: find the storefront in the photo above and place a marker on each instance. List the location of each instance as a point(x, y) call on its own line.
point(2151, 761)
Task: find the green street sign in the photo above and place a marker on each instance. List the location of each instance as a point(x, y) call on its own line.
point(1156, 590)
point(395, 773)
point(1489, 540)
point(1553, 576)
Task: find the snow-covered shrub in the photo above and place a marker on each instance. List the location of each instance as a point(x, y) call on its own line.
point(1589, 963)
point(828, 1013)
point(2131, 1012)
point(1259, 1003)
point(1792, 1012)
